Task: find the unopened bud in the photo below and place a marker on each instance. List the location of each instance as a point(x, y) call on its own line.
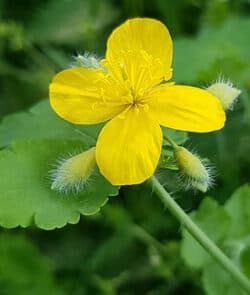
point(194, 173)
point(72, 174)
point(226, 93)
point(87, 60)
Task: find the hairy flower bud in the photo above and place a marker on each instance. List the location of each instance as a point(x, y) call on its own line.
point(87, 60)
point(194, 173)
point(70, 175)
point(226, 93)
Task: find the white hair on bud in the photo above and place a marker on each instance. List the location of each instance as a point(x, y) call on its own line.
point(225, 91)
point(195, 173)
point(71, 174)
point(86, 60)
point(188, 182)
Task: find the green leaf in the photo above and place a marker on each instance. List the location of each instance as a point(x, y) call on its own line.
point(217, 281)
point(214, 221)
point(238, 208)
point(239, 233)
point(229, 227)
point(23, 270)
point(26, 196)
point(188, 69)
point(167, 160)
point(180, 137)
point(41, 122)
point(210, 62)
point(245, 259)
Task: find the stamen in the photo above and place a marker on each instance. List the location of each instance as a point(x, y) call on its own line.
point(102, 95)
point(145, 107)
point(133, 92)
point(137, 110)
point(94, 105)
point(124, 74)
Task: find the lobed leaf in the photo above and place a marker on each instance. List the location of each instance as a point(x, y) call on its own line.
point(238, 208)
point(214, 221)
point(26, 196)
point(41, 122)
point(229, 227)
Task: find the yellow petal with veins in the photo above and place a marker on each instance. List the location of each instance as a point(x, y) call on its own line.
point(129, 147)
point(186, 108)
point(142, 34)
point(86, 96)
point(141, 48)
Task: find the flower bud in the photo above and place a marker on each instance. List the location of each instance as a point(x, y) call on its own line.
point(72, 174)
point(226, 93)
point(87, 60)
point(194, 173)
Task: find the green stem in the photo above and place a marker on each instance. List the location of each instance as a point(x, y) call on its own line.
point(199, 235)
point(170, 140)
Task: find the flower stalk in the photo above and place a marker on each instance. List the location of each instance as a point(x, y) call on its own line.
point(199, 235)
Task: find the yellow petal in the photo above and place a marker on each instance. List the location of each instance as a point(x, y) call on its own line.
point(138, 34)
point(141, 48)
point(186, 108)
point(84, 96)
point(128, 147)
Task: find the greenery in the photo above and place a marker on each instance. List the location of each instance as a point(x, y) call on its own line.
point(132, 245)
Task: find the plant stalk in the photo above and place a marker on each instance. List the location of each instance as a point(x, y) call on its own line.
point(199, 235)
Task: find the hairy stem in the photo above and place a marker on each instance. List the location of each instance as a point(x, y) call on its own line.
point(199, 235)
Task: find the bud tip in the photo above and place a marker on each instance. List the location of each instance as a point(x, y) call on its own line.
point(72, 174)
point(225, 92)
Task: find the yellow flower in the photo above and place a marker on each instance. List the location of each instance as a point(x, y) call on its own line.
point(130, 93)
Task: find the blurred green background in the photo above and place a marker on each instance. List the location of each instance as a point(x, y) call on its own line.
point(110, 253)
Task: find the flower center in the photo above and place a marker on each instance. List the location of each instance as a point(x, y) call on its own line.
point(135, 96)
point(138, 104)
